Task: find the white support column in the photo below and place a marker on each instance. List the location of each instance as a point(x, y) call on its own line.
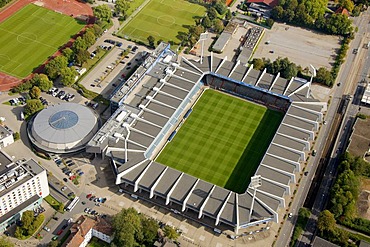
point(220, 65)
point(273, 83)
point(205, 202)
point(234, 68)
point(173, 188)
point(290, 82)
point(260, 77)
point(156, 182)
point(188, 196)
point(222, 208)
point(246, 74)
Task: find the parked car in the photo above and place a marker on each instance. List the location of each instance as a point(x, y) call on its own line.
point(65, 180)
point(63, 188)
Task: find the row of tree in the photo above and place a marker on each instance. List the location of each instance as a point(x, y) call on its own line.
point(311, 14)
point(4, 2)
point(134, 229)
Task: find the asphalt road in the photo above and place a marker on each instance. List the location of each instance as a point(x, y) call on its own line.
point(348, 70)
point(354, 71)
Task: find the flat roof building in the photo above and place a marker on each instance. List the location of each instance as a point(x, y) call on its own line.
point(23, 185)
point(6, 137)
point(63, 128)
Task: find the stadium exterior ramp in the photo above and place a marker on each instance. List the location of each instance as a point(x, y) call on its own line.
point(153, 102)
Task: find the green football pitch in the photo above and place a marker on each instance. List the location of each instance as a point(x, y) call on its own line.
point(162, 19)
point(222, 141)
point(30, 36)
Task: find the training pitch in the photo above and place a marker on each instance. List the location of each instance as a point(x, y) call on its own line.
point(162, 19)
point(30, 36)
point(222, 141)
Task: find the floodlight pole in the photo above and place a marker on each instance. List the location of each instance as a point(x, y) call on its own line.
point(202, 38)
point(256, 182)
point(313, 74)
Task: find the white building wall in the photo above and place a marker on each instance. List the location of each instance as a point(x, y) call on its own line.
point(87, 239)
point(7, 140)
point(102, 236)
point(37, 185)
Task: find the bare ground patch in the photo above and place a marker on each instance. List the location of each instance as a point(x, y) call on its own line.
point(301, 46)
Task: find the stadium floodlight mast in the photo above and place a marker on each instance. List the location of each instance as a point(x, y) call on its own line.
point(256, 181)
point(313, 74)
point(202, 38)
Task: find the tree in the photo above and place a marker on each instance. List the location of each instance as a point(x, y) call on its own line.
point(324, 76)
point(228, 15)
point(290, 71)
point(33, 106)
point(170, 232)
point(89, 38)
point(277, 13)
point(347, 4)
point(42, 81)
point(98, 31)
point(220, 8)
point(121, 6)
point(269, 22)
point(35, 92)
point(206, 22)
point(326, 222)
point(4, 242)
point(53, 243)
point(149, 231)
point(103, 12)
point(212, 13)
point(68, 76)
point(151, 40)
point(54, 67)
point(79, 44)
point(339, 24)
point(82, 56)
point(258, 63)
point(218, 25)
point(69, 54)
point(126, 225)
point(16, 136)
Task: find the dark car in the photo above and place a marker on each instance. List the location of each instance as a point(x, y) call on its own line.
point(65, 180)
point(71, 194)
point(7, 233)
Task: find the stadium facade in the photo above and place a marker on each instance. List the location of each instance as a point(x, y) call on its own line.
point(153, 102)
point(63, 128)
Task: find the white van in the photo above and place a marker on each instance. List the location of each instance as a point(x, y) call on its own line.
point(22, 116)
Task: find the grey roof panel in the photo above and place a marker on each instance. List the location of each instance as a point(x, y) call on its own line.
point(252, 77)
point(272, 188)
point(278, 163)
point(174, 91)
point(134, 174)
point(151, 175)
point(168, 100)
point(183, 187)
point(164, 110)
point(302, 113)
point(146, 128)
point(271, 202)
point(273, 175)
point(140, 138)
point(299, 123)
point(239, 72)
point(154, 118)
point(216, 201)
point(227, 66)
point(283, 152)
point(290, 131)
point(266, 81)
point(180, 83)
point(199, 194)
point(229, 212)
point(288, 142)
point(168, 180)
point(279, 85)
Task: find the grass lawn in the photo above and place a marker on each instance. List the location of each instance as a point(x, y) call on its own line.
point(30, 36)
point(163, 19)
point(223, 140)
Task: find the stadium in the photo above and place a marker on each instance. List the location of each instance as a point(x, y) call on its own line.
point(165, 100)
point(62, 128)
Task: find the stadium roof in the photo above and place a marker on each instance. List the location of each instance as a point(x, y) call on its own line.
point(155, 104)
point(63, 127)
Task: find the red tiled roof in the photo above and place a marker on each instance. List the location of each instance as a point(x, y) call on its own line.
point(103, 226)
point(271, 3)
point(78, 231)
point(342, 11)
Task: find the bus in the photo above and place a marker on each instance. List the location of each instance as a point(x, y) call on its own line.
point(72, 204)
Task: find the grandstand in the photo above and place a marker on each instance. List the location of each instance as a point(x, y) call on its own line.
point(153, 103)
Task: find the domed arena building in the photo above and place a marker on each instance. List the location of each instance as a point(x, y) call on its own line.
point(63, 128)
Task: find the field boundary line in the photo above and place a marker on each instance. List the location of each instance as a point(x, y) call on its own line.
point(133, 15)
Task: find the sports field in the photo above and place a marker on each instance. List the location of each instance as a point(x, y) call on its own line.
point(222, 141)
point(162, 19)
point(30, 36)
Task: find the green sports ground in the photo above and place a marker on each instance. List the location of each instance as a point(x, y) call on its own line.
point(223, 140)
point(162, 19)
point(30, 36)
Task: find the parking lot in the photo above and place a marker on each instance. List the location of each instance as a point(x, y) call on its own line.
point(301, 46)
point(112, 69)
